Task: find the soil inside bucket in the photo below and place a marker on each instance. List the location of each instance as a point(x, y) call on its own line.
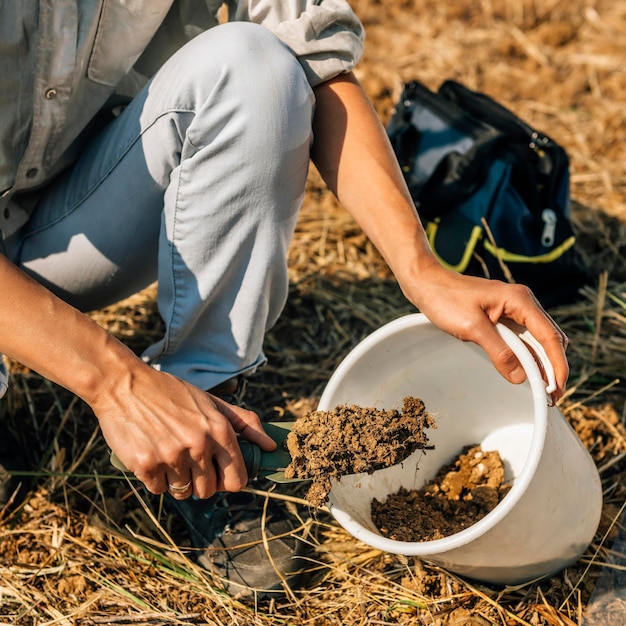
point(461, 494)
point(326, 445)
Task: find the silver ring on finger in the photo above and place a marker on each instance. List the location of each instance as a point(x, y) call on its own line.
point(182, 489)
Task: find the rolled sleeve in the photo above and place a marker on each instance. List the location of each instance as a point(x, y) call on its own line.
point(325, 35)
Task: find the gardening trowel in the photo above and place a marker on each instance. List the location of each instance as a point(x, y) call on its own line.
point(259, 464)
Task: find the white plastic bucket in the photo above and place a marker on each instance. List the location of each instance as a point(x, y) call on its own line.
point(552, 511)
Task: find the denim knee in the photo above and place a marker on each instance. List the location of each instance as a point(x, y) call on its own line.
point(238, 57)
point(260, 76)
point(246, 102)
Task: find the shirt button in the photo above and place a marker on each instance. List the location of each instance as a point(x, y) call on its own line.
point(51, 94)
point(32, 172)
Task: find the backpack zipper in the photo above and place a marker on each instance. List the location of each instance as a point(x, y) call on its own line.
point(549, 227)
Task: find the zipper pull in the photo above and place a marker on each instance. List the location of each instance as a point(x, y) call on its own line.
point(549, 227)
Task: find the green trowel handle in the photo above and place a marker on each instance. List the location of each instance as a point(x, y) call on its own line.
point(251, 454)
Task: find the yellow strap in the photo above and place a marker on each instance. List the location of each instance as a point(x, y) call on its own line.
point(461, 266)
point(511, 257)
point(505, 255)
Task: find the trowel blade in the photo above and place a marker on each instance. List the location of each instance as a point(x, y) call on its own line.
point(281, 479)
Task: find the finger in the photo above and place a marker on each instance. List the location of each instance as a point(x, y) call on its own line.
point(205, 482)
point(143, 465)
point(179, 484)
point(155, 483)
point(227, 476)
point(524, 309)
point(498, 351)
point(224, 457)
point(230, 470)
point(246, 423)
point(554, 342)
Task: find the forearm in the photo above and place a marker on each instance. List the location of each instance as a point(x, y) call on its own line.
point(47, 335)
point(158, 425)
point(355, 158)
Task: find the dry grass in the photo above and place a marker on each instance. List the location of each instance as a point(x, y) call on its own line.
point(84, 551)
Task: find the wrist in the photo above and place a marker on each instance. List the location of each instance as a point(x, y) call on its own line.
point(88, 361)
point(106, 367)
point(420, 277)
point(412, 258)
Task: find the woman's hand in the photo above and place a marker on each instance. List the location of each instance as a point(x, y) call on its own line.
point(169, 433)
point(468, 307)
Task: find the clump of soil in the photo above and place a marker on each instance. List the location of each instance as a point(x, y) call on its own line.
point(326, 445)
point(461, 493)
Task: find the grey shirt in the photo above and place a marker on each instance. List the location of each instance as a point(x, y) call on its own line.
point(61, 61)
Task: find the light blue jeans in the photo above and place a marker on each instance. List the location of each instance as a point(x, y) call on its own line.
point(197, 184)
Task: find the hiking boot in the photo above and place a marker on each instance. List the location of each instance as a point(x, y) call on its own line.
point(250, 553)
point(249, 550)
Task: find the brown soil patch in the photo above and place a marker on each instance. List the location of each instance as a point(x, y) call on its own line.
point(326, 445)
point(461, 494)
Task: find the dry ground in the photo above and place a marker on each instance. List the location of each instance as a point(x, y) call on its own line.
point(83, 550)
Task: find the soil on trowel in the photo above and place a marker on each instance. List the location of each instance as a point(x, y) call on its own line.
point(326, 445)
point(461, 494)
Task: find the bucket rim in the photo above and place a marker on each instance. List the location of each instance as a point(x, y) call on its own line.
point(537, 387)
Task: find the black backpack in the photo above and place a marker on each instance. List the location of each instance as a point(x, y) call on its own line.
point(492, 192)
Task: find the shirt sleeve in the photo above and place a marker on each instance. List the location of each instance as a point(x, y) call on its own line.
point(325, 35)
